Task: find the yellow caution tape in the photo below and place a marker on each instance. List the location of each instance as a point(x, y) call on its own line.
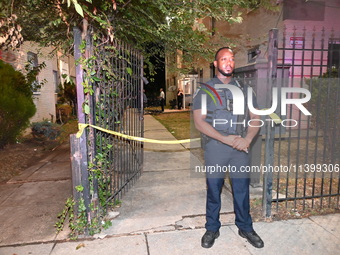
point(275, 118)
point(82, 126)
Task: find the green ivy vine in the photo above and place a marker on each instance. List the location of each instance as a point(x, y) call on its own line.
point(79, 222)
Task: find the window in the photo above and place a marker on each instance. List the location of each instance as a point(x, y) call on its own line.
point(187, 86)
point(56, 81)
point(252, 54)
point(333, 59)
point(32, 59)
point(201, 73)
point(213, 26)
point(212, 70)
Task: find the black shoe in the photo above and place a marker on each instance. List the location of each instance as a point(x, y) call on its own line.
point(252, 238)
point(208, 238)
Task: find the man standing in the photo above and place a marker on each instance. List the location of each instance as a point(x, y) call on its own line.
point(226, 146)
point(162, 99)
point(180, 99)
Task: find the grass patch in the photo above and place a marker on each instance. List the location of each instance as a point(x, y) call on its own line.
point(179, 124)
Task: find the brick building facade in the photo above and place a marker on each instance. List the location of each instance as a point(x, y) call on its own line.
point(45, 98)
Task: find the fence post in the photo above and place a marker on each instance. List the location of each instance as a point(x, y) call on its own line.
point(261, 67)
point(270, 130)
point(91, 135)
point(79, 169)
point(76, 167)
point(79, 145)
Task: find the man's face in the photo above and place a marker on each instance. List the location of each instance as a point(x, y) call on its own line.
point(225, 62)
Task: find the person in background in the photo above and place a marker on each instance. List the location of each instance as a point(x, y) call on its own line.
point(180, 99)
point(162, 99)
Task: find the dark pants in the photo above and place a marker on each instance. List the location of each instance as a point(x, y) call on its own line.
point(220, 155)
point(179, 102)
point(162, 101)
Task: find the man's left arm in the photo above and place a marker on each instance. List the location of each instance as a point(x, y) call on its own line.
point(242, 144)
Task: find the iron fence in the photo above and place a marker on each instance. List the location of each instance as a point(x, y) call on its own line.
point(303, 154)
point(117, 106)
point(106, 165)
point(306, 154)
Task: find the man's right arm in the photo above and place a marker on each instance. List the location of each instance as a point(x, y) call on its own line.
point(205, 128)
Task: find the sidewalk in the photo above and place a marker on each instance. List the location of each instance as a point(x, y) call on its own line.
point(163, 213)
point(30, 202)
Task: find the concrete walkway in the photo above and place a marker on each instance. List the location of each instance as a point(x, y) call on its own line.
point(163, 213)
point(30, 202)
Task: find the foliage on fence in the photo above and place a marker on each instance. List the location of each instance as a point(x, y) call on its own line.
point(111, 81)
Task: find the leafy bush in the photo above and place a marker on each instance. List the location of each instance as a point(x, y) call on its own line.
point(64, 113)
point(45, 130)
point(324, 106)
point(16, 103)
point(67, 95)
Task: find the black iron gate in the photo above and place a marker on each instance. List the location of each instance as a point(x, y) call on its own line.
point(109, 74)
point(305, 152)
point(116, 104)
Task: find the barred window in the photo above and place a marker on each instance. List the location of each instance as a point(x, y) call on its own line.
point(333, 60)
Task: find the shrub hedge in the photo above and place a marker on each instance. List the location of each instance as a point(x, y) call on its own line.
point(16, 103)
